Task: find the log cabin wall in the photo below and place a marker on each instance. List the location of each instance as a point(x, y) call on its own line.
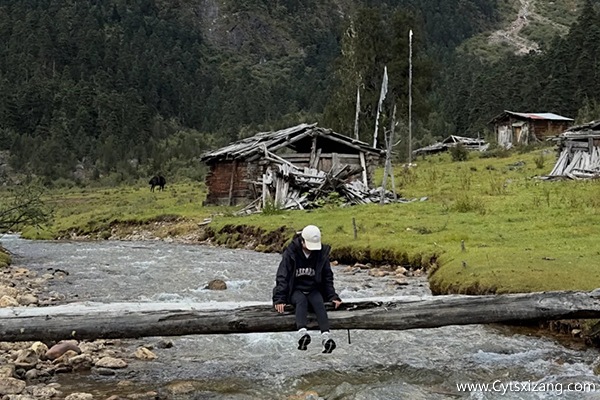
point(543, 129)
point(227, 183)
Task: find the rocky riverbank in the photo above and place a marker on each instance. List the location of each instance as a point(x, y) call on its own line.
point(27, 368)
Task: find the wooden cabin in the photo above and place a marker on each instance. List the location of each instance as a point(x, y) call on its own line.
point(513, 128)
point(236, 170)
point(578, 152)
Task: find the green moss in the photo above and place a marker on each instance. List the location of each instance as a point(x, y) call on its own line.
point(5, 259)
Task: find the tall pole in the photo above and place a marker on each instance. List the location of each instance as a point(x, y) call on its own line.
point(410, 35)
point(357, 113)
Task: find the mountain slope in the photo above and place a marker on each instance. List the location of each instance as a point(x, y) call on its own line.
point(527, 26)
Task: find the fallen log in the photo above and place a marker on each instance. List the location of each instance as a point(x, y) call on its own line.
point(131, 320)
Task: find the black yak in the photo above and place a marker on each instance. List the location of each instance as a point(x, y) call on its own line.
point(157, 180)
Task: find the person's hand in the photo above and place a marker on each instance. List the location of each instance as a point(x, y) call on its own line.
point(336, 303)
point(279, 308)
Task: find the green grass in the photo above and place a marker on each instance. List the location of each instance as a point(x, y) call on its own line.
point(95, 209)
point(520, 233)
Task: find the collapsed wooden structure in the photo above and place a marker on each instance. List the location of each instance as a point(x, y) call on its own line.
point(451, 141)
point(578, 152)
point(291, 168)
point(522, 128)
point(132, 320)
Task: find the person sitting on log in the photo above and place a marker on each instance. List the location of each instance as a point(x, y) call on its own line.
point(304, 278)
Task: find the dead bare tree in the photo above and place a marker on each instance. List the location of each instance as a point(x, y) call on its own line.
point(23, 206)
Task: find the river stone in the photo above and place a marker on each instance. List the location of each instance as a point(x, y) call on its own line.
point(378, 273)
point(143, 353)
point(36, 375)
point(111, 362)
point(8, 291)
point(27, 299)
point(89, 347)
point(217, 284)
point(45, 392)
point(27, 359)
point(39, 348)
point(164, 344)
point(401, 271)
point(80, 396)
point(8, 301)
point(7, 371)
point(64, 360)
point(61, 348)
point(11, 386)
point(82, 362)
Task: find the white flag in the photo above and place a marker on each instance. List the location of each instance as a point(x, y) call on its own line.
point(384, 88)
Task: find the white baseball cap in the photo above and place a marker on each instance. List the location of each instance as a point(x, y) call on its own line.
point(312, 237)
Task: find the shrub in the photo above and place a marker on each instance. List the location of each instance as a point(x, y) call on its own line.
point(459, 153)
point(539, 161)
point(468, 203)
point(272, 208)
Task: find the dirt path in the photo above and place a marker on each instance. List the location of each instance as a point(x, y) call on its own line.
point(512, 34)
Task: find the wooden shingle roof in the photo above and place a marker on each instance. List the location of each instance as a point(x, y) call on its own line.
point(253, 147)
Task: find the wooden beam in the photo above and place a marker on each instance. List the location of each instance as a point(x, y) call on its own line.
point(130, 320)
point(231, 181)
point(313, 152)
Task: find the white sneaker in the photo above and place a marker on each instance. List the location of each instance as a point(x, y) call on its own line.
point(328, 346)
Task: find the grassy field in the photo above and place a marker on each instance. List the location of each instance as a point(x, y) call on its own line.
point(488, 224)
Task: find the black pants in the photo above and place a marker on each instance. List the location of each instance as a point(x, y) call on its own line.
point(301, 302)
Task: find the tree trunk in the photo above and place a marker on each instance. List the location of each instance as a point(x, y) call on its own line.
point(130, 320)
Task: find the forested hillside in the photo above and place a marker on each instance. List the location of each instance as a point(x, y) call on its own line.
point(119, 89)
point(564, 79)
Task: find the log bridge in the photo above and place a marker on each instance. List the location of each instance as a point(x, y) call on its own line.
point(133, 320)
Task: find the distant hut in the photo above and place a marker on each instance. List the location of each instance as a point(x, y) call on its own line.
point(236, 170)
point(579, 152)
point(453, 141)
point(522, 128)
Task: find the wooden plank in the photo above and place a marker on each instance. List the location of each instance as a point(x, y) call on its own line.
point(315, 163)
point(335, 163)
point(363, 164)
point(313, 152)
point(132, 320)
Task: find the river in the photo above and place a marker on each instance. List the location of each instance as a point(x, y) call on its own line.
point(414, 364)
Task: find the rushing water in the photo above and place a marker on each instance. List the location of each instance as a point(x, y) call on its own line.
point(415, 364)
